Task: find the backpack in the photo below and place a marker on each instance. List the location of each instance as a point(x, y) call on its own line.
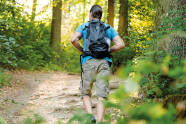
point(97, 43)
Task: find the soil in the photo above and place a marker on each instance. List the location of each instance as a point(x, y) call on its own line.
point(53, 95)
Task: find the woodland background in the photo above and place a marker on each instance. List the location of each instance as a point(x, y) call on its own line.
point(44, 42)
point(154, 32)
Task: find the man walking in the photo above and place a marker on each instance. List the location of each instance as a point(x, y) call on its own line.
point(95, 68)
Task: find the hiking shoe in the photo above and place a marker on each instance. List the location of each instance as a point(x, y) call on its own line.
point(93, 120)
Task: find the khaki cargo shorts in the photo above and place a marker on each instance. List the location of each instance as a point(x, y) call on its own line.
point(98, 71)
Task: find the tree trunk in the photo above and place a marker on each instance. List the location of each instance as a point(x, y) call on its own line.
point(56, 27)
point(110, 16)
point(33, 10)
point(105, 11)
point(123, 18)
point(174, 42)
point(178, 102)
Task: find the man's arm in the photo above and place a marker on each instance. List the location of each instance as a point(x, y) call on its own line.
point(119, 44)
point(75, 41)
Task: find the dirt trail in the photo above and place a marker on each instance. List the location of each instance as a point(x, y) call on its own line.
point(54, 95)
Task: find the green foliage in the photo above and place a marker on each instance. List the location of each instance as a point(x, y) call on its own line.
point(37, 120)
point(161, 78)
point(2, 121)
point(152, 114)
point(129, 111)
point(161, 72)
point(4, 78)
point(8, 56)
point(170, 79)
point(141, 24)
point(24, 44)
point(174, 24)
point(70, 57)
point(34, 55)
point(81, 117)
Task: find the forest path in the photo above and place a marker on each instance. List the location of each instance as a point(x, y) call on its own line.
point(53, 95)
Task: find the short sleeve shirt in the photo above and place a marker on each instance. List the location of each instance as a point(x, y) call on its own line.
point(111, 33)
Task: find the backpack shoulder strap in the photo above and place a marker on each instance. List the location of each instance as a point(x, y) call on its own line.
point(87, 26)
point(107, 28)
point(104, 25)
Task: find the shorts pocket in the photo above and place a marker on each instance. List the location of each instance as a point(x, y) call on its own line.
point(88, 73)
point(104, 67)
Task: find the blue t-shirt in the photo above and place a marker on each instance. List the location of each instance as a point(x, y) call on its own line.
point(111, 33)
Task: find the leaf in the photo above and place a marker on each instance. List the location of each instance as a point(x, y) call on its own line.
point(157, 111)
point(150, 92)
point(130, 85)
point(175, 72)
point(6, 99)
point(7, 43)
point(14, 102)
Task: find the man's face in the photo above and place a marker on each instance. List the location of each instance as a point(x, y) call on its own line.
point(90, 16)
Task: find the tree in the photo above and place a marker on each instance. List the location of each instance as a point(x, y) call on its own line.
point(123, 18)
point(110, 16)
point(170, 16)
point(33, 10)
point(56, 27)
point(105, 11)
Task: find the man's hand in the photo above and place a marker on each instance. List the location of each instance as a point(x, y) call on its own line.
point(75, 41)
point(119, 44)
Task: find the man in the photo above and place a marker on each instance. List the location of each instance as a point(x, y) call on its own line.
point(94, 67)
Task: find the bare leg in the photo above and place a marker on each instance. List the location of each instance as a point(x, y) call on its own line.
point(100, 109)
point(87, 104)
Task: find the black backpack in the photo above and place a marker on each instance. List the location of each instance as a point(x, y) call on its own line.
point(97, 43)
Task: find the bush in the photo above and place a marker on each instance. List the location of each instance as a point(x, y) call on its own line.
point(24, 44)
point(8, 56)
point(4, 78)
